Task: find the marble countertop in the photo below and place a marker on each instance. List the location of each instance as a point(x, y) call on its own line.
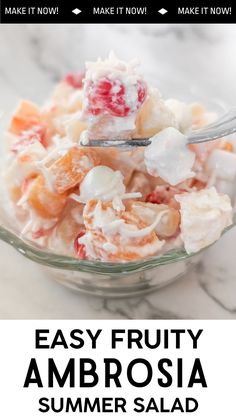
point(181, 60)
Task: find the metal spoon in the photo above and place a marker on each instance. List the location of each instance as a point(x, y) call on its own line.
point(222, 127)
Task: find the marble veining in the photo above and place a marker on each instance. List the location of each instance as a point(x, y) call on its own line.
point(180, 60)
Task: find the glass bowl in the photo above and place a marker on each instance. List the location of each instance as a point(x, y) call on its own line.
point(102, 278)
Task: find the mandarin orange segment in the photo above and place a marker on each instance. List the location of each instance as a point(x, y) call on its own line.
point(132, 218)
point(133, 250)
point(128, 252)
point(69, 170)
point(26, 116)
point(227, 146)
point(125, 248)
point(148, 212)
point(15, 193)
point(46, 203)
point(69, 225)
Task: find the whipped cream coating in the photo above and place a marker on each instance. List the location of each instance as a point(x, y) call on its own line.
point(204, 215)
point(102, 183)
point(169, 157)
point(114, 68)
point(112, 225)
point(105, 127)
point(112, 112)
point(107, 204)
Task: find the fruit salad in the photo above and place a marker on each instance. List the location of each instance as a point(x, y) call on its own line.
point(107, 204)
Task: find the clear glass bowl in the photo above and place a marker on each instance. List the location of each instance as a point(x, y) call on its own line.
point(101, 278)
point(106, 279)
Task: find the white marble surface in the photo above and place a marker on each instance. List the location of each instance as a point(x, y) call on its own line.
point(179, 59)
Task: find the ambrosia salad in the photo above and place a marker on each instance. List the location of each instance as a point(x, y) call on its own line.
point(104, 203)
